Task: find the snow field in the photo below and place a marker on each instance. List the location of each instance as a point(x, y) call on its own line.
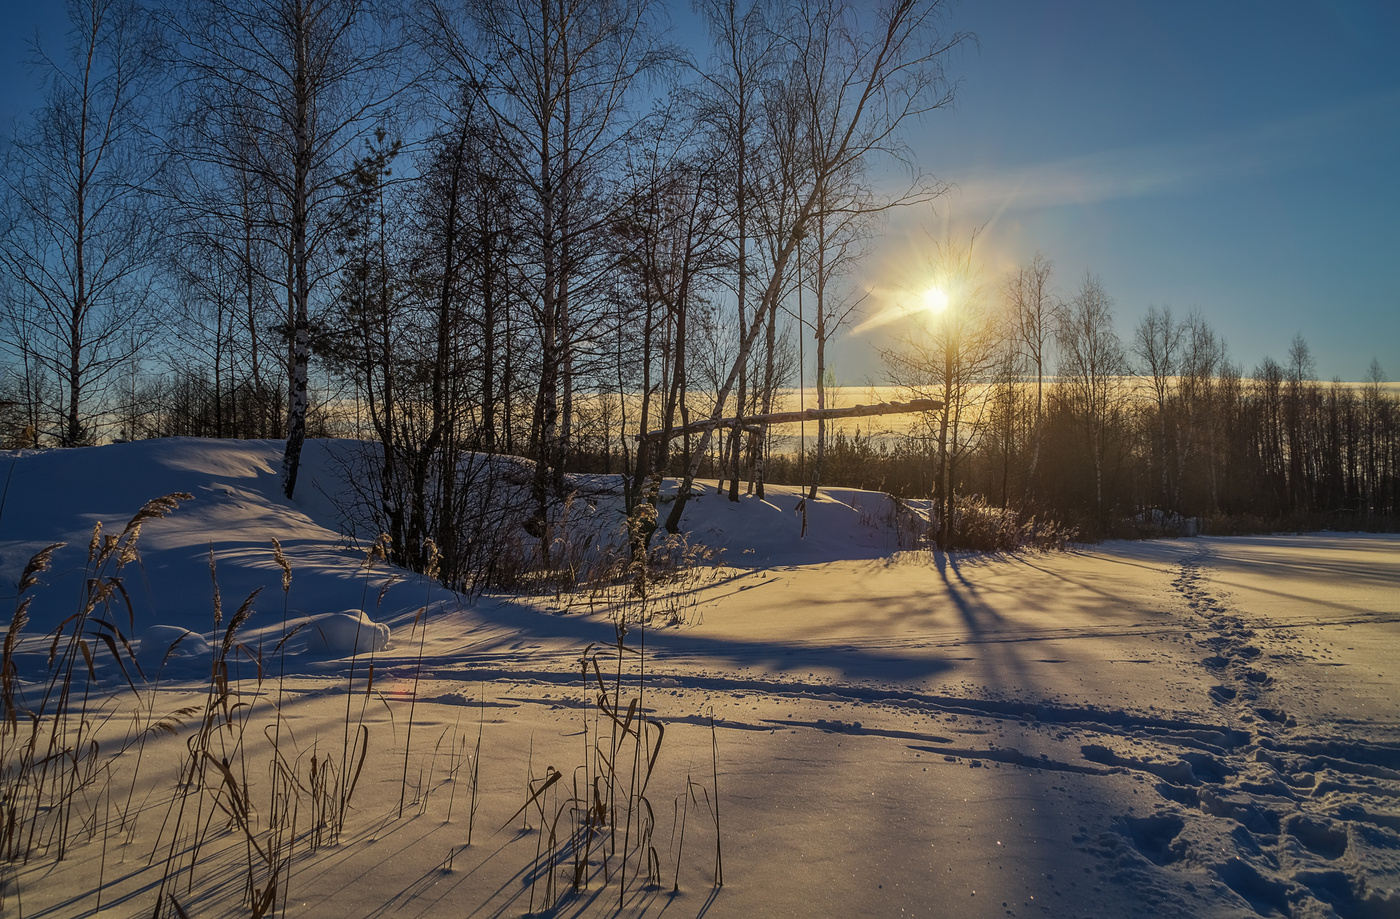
point(1204, 727)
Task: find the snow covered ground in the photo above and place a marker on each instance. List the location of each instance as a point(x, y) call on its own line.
point(1202, 727)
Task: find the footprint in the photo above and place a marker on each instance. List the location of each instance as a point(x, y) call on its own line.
point(1156, 836)
point(1318, 835)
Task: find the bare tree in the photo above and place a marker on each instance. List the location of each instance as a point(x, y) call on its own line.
point(223, 260)
point(884, 64)
point(846, 207)
point(230, 259)
point(282, 90)
point(670, 241)
point(1266, 433)
point(556, 80)
point(1157, 342)
point(1298, 391)
point(839, 242)
point(1033, 313)
point(1092, 363)
point(80, 242)
point(951, 357)
point(463, 270)
point(1004, 435)
point(1373, 439)
point(745, 52)
point(1203, 359)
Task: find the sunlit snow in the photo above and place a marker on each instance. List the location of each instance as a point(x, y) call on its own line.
point(1196, 727)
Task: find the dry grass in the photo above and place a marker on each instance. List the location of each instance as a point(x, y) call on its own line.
point(603, 830)
point(250, 791)
point(981, 527)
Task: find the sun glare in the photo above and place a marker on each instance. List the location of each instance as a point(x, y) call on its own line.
point(935, 300)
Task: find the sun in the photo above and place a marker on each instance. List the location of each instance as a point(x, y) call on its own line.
point(935, 300)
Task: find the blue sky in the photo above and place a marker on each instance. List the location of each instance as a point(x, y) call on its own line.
point(1238, 158)
point(1235, 157)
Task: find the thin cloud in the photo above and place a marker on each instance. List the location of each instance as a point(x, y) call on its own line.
point(891, 305)
point(1273, 148)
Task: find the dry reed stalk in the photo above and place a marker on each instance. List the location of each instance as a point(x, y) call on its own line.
point(680, 811)
point(378, 551)
point(539, 789)
point(714, 762)
point(425, 786)
point(219, 715)
point(476, 767)
point(420, 617)
point(70, 762)
point(40, 795)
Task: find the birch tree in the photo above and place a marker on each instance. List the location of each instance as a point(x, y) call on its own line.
point(282, 90)
point(80, 239)
point(883, 64)
point(1092, 361)
point(557, 81)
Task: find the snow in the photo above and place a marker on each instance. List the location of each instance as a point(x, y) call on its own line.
point(1195, 727)
point(345, 634)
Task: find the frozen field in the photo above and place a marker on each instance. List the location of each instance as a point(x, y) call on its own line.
point(1202, 727)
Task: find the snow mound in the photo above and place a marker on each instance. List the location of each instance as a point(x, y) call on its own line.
point(345, 634)
point(166, 647)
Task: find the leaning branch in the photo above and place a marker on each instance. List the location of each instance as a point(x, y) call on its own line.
point(811, 414)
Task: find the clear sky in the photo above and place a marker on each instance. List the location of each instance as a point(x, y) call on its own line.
point(20, 20)
point(1237, 157)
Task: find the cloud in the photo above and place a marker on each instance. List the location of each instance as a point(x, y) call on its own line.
point(890, 305)
point(1269, 149)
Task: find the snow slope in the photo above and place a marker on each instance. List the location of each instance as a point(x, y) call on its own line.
point(1204, 727)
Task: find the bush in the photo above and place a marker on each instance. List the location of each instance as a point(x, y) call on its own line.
point(980, 527)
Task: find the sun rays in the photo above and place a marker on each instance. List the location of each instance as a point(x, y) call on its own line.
point(934, 300)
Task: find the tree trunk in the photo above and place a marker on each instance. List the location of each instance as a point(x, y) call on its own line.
point(301, 347)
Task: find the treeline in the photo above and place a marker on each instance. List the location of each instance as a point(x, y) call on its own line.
point(1236, 480)
point(455, 229)
point(1050, 413)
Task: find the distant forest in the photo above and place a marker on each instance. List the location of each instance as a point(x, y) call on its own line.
point(498, 228)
